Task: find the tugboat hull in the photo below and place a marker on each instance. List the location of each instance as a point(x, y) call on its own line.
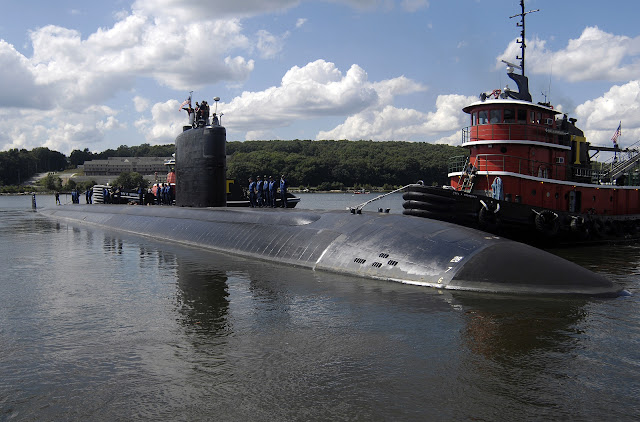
point(522, 222)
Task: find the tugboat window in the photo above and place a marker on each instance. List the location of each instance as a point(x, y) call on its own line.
point(483, 117)
point(509, 115)
point(533, 192)
point(503, 150)
point(495, 116)
point(532, 117)
point(474, 118)
point(522, 116)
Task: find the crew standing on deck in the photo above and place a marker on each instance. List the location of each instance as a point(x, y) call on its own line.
point(283, 191)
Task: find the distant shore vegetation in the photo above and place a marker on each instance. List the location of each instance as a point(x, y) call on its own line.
point(308, 165)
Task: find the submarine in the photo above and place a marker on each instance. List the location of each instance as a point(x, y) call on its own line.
point(376, 245)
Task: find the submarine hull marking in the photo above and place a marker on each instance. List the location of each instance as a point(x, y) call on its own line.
point(331, 240)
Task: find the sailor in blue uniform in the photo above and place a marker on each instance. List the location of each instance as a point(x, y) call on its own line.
point(283, 191)
point(252, 192)
point(260, 187)
point(273, 188)
point(266, 199)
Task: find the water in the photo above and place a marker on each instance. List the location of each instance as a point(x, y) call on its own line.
point(102, 326)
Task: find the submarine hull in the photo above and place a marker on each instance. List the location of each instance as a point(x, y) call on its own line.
point(375, 245)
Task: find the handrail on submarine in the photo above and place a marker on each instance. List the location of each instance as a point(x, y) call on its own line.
point(358, 208)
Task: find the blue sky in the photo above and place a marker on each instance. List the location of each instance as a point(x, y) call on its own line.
point(77, 74)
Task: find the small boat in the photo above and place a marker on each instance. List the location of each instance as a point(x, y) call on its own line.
point(529, 175)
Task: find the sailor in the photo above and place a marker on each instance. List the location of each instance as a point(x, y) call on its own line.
point(283, 191)
point(273, 189)
point(169, 198)
point(216, 122)
point(471, 172)
point(266, 199)
point(260, 189)
point(191, 112)
point(205, 113)
point(58, 198)
point(252, 192)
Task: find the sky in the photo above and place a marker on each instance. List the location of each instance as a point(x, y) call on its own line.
point(97, 75)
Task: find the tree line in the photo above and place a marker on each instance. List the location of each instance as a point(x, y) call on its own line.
point(339, 164)
point(322, 164)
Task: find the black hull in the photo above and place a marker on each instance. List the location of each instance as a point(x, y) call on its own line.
point(374, 245)
point(524, 223)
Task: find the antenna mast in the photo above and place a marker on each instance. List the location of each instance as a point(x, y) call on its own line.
point(521, 24)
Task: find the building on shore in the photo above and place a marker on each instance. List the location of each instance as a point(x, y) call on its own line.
point(113, 166)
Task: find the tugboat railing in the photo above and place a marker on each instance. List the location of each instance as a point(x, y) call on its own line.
point(524, 166)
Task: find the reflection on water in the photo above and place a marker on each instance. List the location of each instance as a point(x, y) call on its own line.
point(97, 325)
point(202, 299)
point(506, 328)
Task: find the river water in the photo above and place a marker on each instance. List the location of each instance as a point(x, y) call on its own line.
point(102, 326)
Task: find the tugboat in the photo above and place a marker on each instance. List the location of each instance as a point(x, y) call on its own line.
point(529, 175)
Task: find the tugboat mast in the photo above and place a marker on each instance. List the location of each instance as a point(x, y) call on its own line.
point(521, 24)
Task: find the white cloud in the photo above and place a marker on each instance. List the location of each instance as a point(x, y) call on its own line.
point(396, 124)
point(58, 129)
point(166, 123)
point(87, 71)
point(317, 89)
point(270, 45)
point(595, 55)
point(141, 104)
point(18, 85)
point(198, 10)
point(414, 5)
point(600, 117)
point(300, 22)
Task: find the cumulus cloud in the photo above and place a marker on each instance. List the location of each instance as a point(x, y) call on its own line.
point(397, 124)
point(58, 129)
point(601, 116)
point(595, 55)
point(317, 89)
point(165, 124)
point(18, 84)
point(300, 22)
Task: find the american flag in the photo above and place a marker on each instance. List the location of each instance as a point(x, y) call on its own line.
point(185, 102)
point(615, 136)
